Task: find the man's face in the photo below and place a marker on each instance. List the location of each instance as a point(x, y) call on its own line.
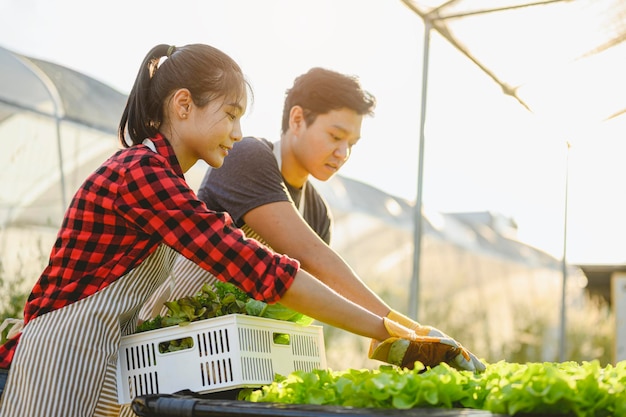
point(323, 147)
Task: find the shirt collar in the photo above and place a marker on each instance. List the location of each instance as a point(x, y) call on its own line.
point(164, 148)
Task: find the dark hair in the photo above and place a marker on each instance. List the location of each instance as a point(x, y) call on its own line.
point(205, 71)
point(319, 91)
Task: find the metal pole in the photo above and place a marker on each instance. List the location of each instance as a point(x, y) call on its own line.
point(562, 337)
point(59, 113)
point(60, 154)
point(417, 219)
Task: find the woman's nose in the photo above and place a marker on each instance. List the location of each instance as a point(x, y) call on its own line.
point(236, 134)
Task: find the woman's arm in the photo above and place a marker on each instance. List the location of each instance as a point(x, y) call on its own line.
point(310, 296)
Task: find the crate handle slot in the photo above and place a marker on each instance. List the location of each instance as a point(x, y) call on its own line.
point(176, 345)
point(281, 338)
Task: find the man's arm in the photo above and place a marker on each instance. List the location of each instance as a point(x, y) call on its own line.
point(282, 227)
point(315, 299)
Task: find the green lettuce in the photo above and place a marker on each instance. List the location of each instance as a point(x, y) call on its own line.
point(573, 389)
point(217, 300)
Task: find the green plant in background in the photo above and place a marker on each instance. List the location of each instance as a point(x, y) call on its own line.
point(15, 285)
point(534, 330)
point(12, 299)
point(590, 331)
point(531, 337)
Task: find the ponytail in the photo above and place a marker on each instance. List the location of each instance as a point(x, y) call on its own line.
point(205, 71)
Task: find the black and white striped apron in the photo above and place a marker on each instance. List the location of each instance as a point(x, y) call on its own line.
point(65, 363)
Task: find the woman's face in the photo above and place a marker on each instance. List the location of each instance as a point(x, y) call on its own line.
point(209, 132)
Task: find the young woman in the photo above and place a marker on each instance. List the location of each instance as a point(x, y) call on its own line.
point(126, 225)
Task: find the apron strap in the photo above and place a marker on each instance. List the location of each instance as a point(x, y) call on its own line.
point(302, 201)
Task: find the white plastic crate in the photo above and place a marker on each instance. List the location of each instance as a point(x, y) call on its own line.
point(232, 351)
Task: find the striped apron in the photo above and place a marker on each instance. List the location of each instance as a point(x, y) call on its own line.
point(66, 360)
point(186, 279)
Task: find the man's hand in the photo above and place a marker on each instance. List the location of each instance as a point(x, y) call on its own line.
point(430, 346)
point(431, 331)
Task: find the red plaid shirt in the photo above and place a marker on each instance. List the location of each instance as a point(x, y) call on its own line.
point(135, 201)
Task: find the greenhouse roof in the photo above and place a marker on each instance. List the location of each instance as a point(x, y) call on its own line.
point(56, 91)
point(56, 126)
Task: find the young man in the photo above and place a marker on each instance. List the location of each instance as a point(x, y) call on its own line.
point(265, 188)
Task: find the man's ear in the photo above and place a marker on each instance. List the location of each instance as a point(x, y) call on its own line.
point(181, 103)
point(296, 118)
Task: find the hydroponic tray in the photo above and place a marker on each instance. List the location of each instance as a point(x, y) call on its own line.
point(163, 405)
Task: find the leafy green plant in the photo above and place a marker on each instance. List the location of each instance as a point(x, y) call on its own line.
point(212, 301)
point(218, 300)
point(576, 389)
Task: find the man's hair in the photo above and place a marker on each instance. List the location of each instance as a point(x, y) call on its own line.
point(320, 91)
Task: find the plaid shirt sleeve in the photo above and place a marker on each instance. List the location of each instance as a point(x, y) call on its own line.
point(160, 203)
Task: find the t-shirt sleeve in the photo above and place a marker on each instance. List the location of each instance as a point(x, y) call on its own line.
point(249, 178)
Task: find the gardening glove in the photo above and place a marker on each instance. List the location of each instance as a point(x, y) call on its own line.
point(405, 346)
point(460, 363)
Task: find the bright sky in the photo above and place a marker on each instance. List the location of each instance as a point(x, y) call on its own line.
point(484, 151)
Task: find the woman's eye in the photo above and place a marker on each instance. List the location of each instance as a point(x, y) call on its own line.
point(231, 116)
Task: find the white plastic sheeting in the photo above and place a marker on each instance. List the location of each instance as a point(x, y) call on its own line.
point(56, 125)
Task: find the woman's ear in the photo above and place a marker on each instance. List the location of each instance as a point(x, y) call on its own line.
point(181, 103)
point(296, 118)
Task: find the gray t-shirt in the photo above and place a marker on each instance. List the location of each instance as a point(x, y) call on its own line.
point(250, 178)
